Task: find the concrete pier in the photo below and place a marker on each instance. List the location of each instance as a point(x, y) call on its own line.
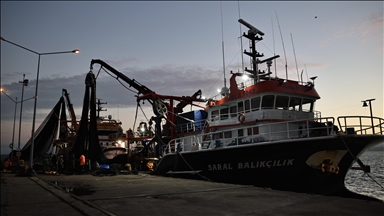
point(145, 194)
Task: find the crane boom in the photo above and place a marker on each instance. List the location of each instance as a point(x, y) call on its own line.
point(139, 87)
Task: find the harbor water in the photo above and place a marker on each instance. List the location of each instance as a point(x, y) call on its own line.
point(368, 184)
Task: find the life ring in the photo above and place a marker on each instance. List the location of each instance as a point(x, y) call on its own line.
point(241, 117)
point(11, 145)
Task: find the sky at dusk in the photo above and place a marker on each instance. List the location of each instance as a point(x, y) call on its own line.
point(175, 48)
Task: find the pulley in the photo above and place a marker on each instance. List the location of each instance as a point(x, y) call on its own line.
point(159, 108)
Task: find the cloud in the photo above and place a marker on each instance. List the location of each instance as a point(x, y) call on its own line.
point(166, 80)
point(123, 62)
point(367, 30)
point(372, 29)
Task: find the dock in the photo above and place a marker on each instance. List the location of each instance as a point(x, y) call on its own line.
point(145, 194)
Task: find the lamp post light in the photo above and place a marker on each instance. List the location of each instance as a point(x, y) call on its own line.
point(36, 90)
point(25, 83)
point(370, 110)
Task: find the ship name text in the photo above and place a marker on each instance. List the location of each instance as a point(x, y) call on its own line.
point(251, 165)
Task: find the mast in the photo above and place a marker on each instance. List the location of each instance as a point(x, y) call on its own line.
point(222, 44)
point(253, 37)
point(241, 39)
point(99, 107)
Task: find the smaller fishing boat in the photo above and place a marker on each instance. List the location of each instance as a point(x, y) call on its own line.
point(111, 135)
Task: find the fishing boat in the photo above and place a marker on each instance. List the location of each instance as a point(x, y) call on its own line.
point(262, 130)
point(265, 132)
point(110, 134)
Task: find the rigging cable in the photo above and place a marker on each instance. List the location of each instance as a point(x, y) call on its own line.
point(294, 53)
point(285, 56)
point(359, 164)
point(146, 118)
point(117, 78)
point(207, 179)
point(290, 69)
point(274, 50)
point(134, 122)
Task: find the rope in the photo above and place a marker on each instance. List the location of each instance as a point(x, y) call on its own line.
point(207, 179)
point(117, 78)
point(146, 118)
point(178, 153)
point(365, 172)
point(134, 122)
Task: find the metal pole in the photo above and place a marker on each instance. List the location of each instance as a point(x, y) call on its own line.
point(21, 111)
point(34, 114)
point(370, 109)
point(13, 133)
point(37, 83)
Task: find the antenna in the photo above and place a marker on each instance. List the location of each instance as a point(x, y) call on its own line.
point(274, 52)
point(241, 39)
point(297, 69)
point(305, 66)
point(222, 43)
point(285, 56)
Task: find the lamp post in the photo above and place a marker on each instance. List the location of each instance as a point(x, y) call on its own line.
point(25, 83)
point(370, 109)
point(36, 90)
point(14, 118)
point(14, 122)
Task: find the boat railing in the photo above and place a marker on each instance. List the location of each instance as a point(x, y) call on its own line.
point(250, 115)
point(258, 133)
point(190, 126)
point(361, 124)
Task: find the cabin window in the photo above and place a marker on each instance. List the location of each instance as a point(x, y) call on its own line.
point(227, 134)
point(267, 102)
point(224, 113)
point(233, 110)
point(240, 133)
point(247, 106)
point(307, 105)
point(255, 103)
point(252, 131)
point(282, 102)
point(215, 115)
point(240, 106)
point(295, 104)
point(218, 136)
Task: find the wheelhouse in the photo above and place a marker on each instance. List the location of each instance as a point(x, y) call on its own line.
point(264, 106)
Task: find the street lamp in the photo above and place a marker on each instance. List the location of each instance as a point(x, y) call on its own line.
point(14, 120)
point(25, 83)
point(370, 109)
point(37, 86)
